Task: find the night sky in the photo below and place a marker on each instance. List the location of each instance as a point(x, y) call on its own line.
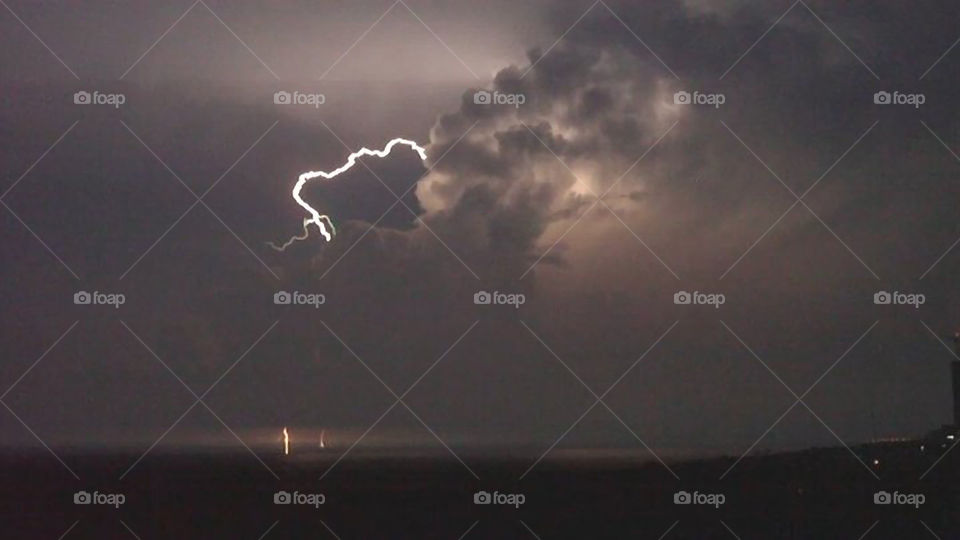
point(798, 198)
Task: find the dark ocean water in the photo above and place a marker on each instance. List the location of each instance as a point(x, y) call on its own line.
point(815, 494)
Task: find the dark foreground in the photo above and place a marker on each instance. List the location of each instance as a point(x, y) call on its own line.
point(816, 494)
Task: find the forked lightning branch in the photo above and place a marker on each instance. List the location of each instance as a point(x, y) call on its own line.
point(322, 221)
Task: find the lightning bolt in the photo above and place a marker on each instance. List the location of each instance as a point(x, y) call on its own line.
point(321, 221)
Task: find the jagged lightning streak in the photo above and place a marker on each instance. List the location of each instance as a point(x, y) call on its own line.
point(322, 221)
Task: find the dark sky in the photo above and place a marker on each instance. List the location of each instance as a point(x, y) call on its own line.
point(511, 206)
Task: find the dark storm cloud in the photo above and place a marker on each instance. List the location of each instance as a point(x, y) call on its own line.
point(600, 96)
point(496, 201)
point(800, 100)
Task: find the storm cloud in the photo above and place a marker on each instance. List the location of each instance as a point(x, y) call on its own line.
point(694, 198)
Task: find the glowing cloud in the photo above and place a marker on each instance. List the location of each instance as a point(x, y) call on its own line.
point(323, 222)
